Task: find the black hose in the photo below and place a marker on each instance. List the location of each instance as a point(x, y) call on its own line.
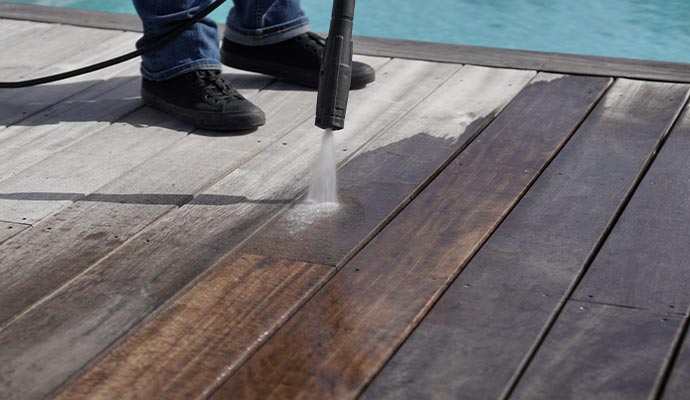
point(117, 60)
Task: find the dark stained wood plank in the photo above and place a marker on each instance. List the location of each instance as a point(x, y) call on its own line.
point(336, 343)
point(678, 385)
point(238, 305)
point(598, 351)
point(71, 326)
point(492, 316)
point(391, 170)
point(643, 263)
point(495, 88)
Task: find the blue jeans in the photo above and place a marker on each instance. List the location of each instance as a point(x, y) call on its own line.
point(250, 22)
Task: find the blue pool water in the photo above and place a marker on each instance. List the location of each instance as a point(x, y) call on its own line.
point(654, 30)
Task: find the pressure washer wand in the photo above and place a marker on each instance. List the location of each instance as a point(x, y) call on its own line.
point(336, 68)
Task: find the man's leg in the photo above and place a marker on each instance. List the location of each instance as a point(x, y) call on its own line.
point(273, 37)
point(182, 78)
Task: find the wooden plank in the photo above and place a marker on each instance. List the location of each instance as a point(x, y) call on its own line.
point(384, 47)
point(9, 229)
point(678, 385)
point(18, 104)
point(394, 167)
point(597, 351)
point(71, 16)
point(95, 308)
point(488, 90)
point(487, 322)
point(166, 359)
point(83, 233)
point(53, 45)
point(643, 262)
point(57, 127)
point(336, 343)
point(88, 164)
point(523, 59)
point(14, 31)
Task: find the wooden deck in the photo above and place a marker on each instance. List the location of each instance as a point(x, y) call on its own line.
point(507, 233)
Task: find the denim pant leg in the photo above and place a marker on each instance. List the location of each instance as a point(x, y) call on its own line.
point(263, 22)
point(195, 49)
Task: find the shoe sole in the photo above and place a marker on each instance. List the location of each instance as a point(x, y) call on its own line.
point(214, 121)
point(300, 76)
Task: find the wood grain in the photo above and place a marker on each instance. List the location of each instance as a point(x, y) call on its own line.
point(678, 385)
point(237, 306)
point(9, 229)
point(497, 88)
point(599, 352)
point(338, 341)
point(643, 262)
point(73, 325)
point(392, 168)
point(492, 316)
point(99, 222)
point(18, 104)
point(55, 44)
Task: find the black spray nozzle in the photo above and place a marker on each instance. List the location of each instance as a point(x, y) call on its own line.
point(336, 68)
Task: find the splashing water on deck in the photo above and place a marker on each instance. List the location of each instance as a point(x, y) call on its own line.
point(324, 185)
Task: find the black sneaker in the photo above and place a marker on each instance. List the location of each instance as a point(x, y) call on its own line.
point(203, 99)
point(296, 60)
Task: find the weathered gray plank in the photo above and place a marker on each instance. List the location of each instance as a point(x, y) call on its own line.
point(340, 339)
point(487, 322)
point(393, 167)
point(88, 164)
point(14, 31)
point(104, 302)
point(9, 229)
point(83, 233)
point(598, 351)
point(678, 385)
point(482, 92)
point(57, 127)
point(18, 104)
point(53, 45)
point(644, 262)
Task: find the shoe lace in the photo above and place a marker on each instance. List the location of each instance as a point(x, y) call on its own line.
point(215, 87)
point(313, 42)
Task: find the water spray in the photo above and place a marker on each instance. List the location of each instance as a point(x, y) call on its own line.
point(335, 76)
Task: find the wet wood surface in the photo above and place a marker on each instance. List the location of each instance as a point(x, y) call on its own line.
point(595, 351)
point(237, 306)
point(497, 86)
point(678, 385)
point(643, 263)
point(392, 168)
point(338, 341)
point(141, 275)
point(140, 257)
point(491, 318)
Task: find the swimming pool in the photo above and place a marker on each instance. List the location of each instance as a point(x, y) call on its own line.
point(617, 28)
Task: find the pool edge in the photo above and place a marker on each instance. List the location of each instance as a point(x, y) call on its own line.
point(398, 48)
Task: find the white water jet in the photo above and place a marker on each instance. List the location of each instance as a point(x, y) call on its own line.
point(324, 185)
